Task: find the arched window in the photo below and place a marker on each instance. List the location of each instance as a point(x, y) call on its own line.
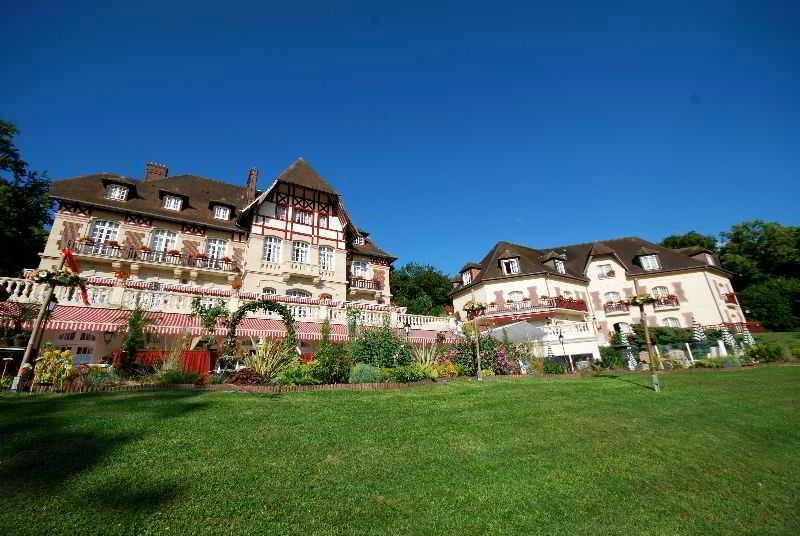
point(300, 252)
point(272, 249)
point(269, 291)
point(325, 296)
point(326, 258)
point(515, 296)
point(298, 293)
point(660, 292)
point(671, 322)
point(611, 297)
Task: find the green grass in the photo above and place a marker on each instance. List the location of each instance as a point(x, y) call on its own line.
point(717, 452)
point(788, 339)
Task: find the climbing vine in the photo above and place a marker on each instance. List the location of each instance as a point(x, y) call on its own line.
point(263, 305)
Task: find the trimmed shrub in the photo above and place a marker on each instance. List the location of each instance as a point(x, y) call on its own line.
point(706, 363)
point(177, 376)
point(553, 367)
point(333, 364)
point(299, 374)
point(408, 373)
point(365, 373)
point(730, 362)
point(766, 352)
point(611, 358)
point(380, 347)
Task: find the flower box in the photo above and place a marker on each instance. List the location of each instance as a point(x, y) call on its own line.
point(87, 240)
point(173, 252)
point(201, 256)
point(145, 249)
point(227, 259)
point(112, 243)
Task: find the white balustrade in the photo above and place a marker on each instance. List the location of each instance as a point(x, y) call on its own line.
point(153, 300)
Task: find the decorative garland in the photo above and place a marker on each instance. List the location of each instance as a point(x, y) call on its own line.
point(641, 300)
point(64, 277)
point(264, 305)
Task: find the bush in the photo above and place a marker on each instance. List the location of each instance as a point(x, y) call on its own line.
point(730, 362)
point(299, 374)
point(553, 367)
point(380, 347)
point(487, 372)
point(333, 363)
point(611, 358)
point(135, 339)
point(270, 358)
point(85, 376)
point(409, 373)
point(766, 352)
point(706, 363)
point(445, 369)
point(177, 376)
point(246, 376)
point(365, 373)
point(52, 366)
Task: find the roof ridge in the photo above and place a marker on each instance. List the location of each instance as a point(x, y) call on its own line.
point(209, 179)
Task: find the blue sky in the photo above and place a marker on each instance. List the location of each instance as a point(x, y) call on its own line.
point(446, 127)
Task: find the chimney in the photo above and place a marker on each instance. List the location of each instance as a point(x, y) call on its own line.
point(252, 182)
point(154, 171)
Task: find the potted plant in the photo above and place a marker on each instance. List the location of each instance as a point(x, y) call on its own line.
point(610, 273)
point(112, 243)
point(145, 249)
point(87, 240)
point(173, 252)
point(201, 256)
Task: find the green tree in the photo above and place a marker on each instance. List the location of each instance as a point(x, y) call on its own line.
point(756, 250)
point(24, 207)
point(692, 238)
point(421, 288)
point(775, 302)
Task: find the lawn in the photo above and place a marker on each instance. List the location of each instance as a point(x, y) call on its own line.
point(715, 453)
point(788, 339)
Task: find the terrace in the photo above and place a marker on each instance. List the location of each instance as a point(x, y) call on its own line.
point(146, 255)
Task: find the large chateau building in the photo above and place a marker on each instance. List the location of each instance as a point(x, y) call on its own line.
point(160, 242)
point(583, 288)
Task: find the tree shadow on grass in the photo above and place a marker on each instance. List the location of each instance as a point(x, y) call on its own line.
point(141, 498)
point(46, 440)
point(633, 379)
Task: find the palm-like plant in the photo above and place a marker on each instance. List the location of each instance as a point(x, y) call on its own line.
point(426, 355)
point(270, 358)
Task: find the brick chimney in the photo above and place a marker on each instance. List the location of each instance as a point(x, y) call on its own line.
point(154, 171)
point(252, 182)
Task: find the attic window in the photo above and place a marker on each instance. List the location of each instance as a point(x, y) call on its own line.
point(561, 268)
point(358, 241)
point(117, 192)
point(649, 262)
point(221, 212)
point(510, 266)
point(172, 202)
point(466, 277)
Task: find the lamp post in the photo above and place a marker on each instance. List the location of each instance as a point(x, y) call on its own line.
point(407, 329)
point(640, 301)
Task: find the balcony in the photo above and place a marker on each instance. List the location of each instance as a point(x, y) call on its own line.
point(730, 298)
point(533, 306)
point(115, 251)
point(361, 283)
point(666, 302)
point(616, 308)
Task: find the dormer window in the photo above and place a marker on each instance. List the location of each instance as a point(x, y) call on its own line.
point(221, 212)
point(510, 266)
point(466, 278)
point(561, 268)
point(650, 262)
point(358, 241)
point(117, 192)
point(172, 202)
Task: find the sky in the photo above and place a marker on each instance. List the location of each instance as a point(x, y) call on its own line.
point(447, 127)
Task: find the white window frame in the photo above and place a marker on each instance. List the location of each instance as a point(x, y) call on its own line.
point(272, 249)
point(612, 296)
point(671, 322)
point(660, 292)
point(323, 220)
point(172, 202)
point(269, 291)
point(298, 293)
point(603, 270)
point(117, 192)
point(300, 251)
point(216, 248)
point(104, 230)
point(510, 266)
point(650, 262)
point(222, 212)
point(282, 212)
point(326, 258)
point(515, 296)
point(560, 266)
point(303, 217)
point(466, 277)
point(163, 240)
point(359, 269)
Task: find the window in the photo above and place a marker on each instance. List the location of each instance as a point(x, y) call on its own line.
point(359, 269)
point(623, 327)
point(272, 249)
point(269, 291)
point(649, 262)
point(221, 213)
point(510, 266)
point(326, 258)
point(281, 212)
point(172, 202)
point(660, 292)
point(515, 296)
point(671, 322)
point(358, 241)
point(323, 220)
point(561, 268)
point(300, 252)
point(566, 293)
point(303, 216)
point(103, 231)
point(215, 248)
point(466, 278)
point(612, 297)
point(605, 271)
point(163, 240)
point(116, 192)
point(298, 293)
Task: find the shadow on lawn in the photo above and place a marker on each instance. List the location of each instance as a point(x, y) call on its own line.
point(633, 379)
point(44, 445)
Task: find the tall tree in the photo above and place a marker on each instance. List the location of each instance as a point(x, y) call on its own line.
point(421, 288)
point(758, 250)
point(692, 238)
point(24, 207)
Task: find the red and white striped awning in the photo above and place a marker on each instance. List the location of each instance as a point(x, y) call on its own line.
point(71, 318)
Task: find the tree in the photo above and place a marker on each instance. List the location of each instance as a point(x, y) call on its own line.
point(24, 207)
point(421, 288)
point(692, 238)
point(756, 250)
point(775, 302)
